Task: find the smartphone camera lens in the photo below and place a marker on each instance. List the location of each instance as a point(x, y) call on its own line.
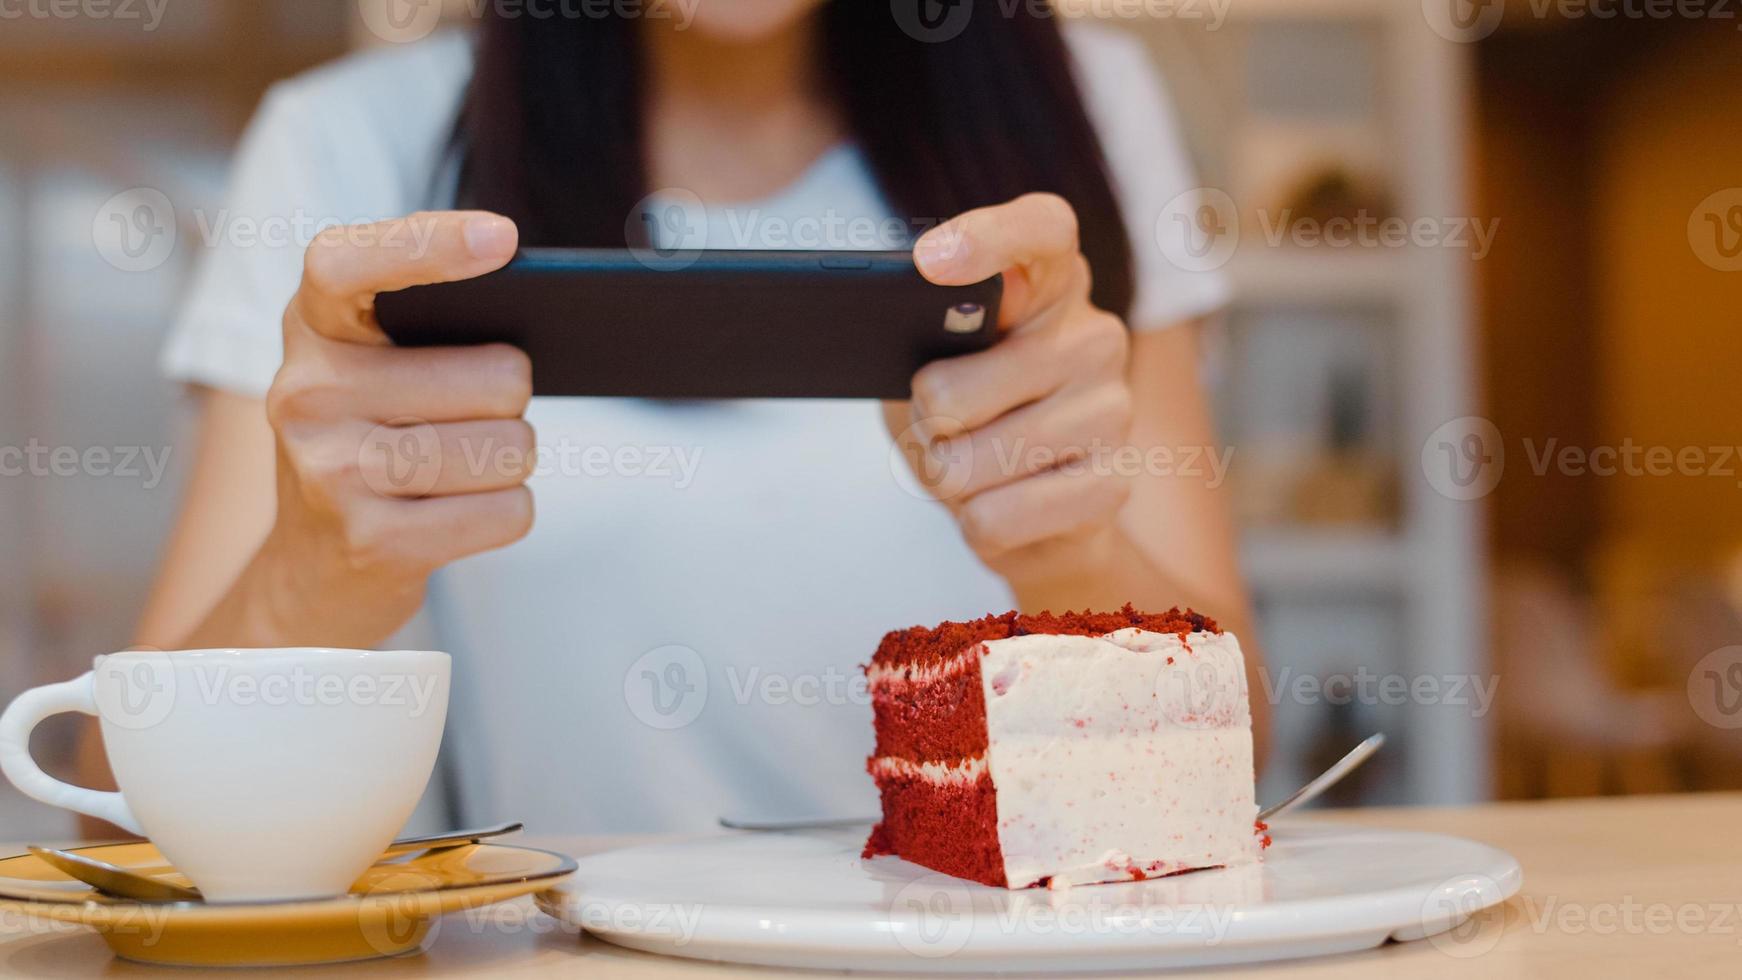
point(965, 318)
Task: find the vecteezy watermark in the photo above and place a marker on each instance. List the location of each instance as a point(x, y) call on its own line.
point(1464, 916)
point(391, 912)
point(668, 229)
point(1201, 692)
point(141, 688)
point(1368, 687)
point(1715, 688)
point(1468, 21)
point(937, 21)
point(933, 916)
point(1629, 916)
point(1212, 14)
point(148, 14)
point(1630, 458)
point(673, 921)
point(38, 459)
point(930, 468)
point(407, 21)
point(138, 230)
point(1365, 230)
point(1715, 230)
point(666, 687)
point(932, 21)
point(1464, 21)
point(832, 686)
point(409, 457)
point(1464, 459)
point(1201, 229)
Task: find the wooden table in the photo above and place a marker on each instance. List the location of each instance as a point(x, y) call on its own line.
point(1632, 887)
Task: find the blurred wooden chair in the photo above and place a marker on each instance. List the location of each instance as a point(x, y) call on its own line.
point(1566, 727)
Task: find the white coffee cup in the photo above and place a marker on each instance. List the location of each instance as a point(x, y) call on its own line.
point(261, 774)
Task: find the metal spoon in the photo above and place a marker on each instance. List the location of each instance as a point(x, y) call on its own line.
point(112, 879)
point(1311, 791)
point(453, 838)
point(1330, 777)
point(119, 882)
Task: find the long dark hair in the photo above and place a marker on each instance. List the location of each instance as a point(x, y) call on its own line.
point(551, 133)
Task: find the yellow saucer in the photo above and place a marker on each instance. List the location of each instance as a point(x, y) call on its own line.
point(388, 911)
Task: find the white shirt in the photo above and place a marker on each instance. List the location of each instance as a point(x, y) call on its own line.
point(680, 635)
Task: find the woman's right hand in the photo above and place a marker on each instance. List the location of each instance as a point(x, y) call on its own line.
point(391, 462)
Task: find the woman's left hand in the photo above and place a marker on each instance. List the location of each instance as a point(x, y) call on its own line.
point(1022, 441)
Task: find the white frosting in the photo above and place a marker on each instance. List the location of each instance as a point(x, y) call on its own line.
point(1104, 761)
point(880, 676)
point(965, 771)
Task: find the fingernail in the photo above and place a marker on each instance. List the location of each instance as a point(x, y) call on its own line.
point(934, 253)
point(490, 236)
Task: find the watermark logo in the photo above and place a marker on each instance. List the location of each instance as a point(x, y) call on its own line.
point(932, 21)
point(401, 21)
point(1715, 688)
point(833, 686)
point(135, 691)
point(135, 231)
point(675, 922)
point(666, 687)
point(667, 229)
point(402, 458)
point(408, 457)
point(929, 468)
point(391, 913)
point(1464, 21)
point(1464, 458)
point(148, 13)
point(1199, 230)
point(1366, 230)
point(1365, 686)
point(933, 916)
point(1200, 692)
point(1715, 230)
point(141, 688)
point(148, 464)
point(1463, 916)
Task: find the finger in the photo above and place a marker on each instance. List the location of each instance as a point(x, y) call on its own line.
point(964, 393)
point(1031, 240)
point(443, 384)
point(1062, 430)
point(1051, 505)
point(347, 266)
point(327, 380)
point(410, 461)
point(437, 530)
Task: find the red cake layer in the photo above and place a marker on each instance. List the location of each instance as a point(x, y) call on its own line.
point(949, 826)
point(921, 646)
point(941, 721)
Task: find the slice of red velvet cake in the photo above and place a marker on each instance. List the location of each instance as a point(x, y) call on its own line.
point(1026, 750)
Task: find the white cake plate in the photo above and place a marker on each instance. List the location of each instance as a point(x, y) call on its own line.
point(805, 899)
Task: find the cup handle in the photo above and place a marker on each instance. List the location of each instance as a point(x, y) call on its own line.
point(21, 718)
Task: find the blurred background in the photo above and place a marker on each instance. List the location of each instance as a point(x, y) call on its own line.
point(1479, 375)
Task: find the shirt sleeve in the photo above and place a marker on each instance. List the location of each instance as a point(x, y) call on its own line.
point(1150, 167)
point(228, 333)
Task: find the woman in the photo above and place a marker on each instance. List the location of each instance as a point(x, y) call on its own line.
point(668, 643)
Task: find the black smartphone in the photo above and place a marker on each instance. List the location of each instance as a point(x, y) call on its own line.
point(706, 324)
